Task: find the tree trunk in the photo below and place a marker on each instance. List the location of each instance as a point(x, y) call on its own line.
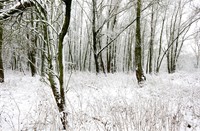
point(160, 44)
point(95, 37)
point(1, 45)
point(32, 61)
point(151, 42)
point(61, 63)
point(138, 50)
point(43, 55)
point(32, 52)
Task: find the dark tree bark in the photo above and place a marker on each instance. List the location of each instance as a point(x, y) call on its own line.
point(94, 33)
point(18, 8)
point(1, 61)
point(149, 66)
point(32, 51)
point(1, 45)
point(43, 55)
point(138, 49)
point(32, 61)
point(59, 92)
point(62, 34)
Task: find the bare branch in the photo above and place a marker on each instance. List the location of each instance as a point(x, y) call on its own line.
point(19, 7)
point(101, 50)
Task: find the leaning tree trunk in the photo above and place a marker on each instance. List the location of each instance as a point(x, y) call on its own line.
point(1, 44)
point(138, 49)
point(160, 43)
point(60, 61)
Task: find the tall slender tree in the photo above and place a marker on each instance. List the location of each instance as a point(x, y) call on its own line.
point(149, 66)
point(94, 34)
point(1, 45)
point(62, 34)
point(32, 52)
point(138, 46)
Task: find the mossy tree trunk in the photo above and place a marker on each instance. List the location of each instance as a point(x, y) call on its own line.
point(61, 61)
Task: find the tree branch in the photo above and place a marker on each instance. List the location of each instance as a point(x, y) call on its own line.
point(102, 49)
point(19, 7)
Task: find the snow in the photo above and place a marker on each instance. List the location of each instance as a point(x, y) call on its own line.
point(111, 102)
point(26, 103)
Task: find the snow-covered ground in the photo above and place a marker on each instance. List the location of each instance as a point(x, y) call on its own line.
point(111, 102)
point(26, 104)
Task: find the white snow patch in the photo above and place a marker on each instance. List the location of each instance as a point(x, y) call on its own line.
point(26, 104)
point(111, 102)
point(115, 102)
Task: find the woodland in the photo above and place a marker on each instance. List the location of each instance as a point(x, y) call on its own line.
point(53, 39)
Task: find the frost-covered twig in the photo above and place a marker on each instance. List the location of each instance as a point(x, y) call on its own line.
point(19, 7)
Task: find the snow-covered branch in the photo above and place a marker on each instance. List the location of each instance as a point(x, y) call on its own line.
point(19, 7)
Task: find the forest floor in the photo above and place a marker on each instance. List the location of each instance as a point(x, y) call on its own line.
point(112, 102)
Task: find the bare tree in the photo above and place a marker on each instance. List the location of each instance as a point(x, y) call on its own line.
point(196, 48)
point(149, 66)
point(176, 33)
point(58, 91)
point(163, 20)
point(138, 49)
point(62, 34)
point(1, 45)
